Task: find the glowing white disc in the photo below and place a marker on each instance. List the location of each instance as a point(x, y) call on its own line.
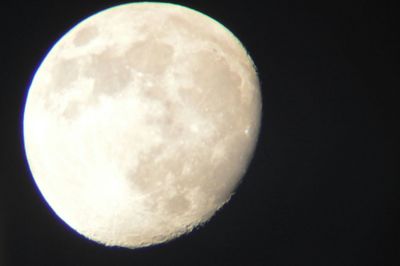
point(140, 122)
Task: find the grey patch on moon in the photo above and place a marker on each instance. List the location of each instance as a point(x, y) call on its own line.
point(112, 73)
point(150, 56)
point(186, 172)
point(63, 74)
point(73, 109)
point(177, 204)
point(214, 82)
point(188, 27)
point(85, 35)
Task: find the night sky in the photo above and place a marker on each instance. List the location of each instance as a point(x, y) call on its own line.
point(322, 188)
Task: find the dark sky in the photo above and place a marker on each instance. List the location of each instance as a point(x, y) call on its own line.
point(322, 187)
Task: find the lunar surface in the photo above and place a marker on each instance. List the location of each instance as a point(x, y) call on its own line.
point(140, 123)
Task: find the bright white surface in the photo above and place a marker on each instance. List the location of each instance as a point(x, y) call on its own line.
point(140, 123)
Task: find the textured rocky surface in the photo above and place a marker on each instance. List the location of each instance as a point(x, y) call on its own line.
point(140, 123)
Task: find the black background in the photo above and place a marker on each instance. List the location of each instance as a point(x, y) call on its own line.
point(322, 188)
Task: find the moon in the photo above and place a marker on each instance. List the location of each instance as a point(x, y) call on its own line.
point(140, 123)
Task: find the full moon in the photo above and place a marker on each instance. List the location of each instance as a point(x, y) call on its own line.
point(140, 123)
